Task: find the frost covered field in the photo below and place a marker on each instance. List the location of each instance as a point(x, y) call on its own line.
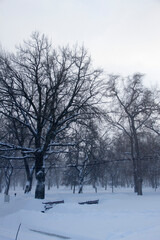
point(121, 215)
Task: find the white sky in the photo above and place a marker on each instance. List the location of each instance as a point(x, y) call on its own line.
point(122, 36)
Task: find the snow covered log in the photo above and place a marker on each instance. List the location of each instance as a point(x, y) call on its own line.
point(54, 202)
point(90, 202)
point(49, 205)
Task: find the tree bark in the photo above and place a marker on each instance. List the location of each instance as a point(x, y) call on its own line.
point(137, 167)
point(40, 176)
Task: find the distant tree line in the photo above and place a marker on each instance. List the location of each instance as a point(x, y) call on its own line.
point(63, 122)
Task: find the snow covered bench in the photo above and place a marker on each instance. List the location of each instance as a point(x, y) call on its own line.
point(90, 202)
point(49, 205)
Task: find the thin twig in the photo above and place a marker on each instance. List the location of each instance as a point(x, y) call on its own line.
point(18, 231)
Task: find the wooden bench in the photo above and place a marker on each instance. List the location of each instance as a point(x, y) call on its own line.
point(90, 202)
point(49, 205)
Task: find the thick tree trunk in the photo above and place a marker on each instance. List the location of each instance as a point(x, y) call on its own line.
point(40, 187)
point(40, 177)
point(139, 185)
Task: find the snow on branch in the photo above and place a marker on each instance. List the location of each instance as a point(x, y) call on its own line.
point(16, 158)
point(15, 147)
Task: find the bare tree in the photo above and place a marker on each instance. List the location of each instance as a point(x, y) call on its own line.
point(82, 159)
point(132, 105)
point(45, 90)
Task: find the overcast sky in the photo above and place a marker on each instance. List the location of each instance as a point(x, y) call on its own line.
point(122, 36)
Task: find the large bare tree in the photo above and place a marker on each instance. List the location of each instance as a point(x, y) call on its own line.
point(44, 90)
point(132, 105)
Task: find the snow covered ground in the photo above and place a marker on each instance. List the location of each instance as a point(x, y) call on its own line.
point(119, 216)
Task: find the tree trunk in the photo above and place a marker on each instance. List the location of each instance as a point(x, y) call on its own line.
point(112, 180)
point(40, 176)
point(29, 174)
point(7, 187)
point(49, 179)
point(57, 179)
point(139, 185)
point(28, 186)
point(81, 182)
point(1, 177)
point(134, 165)
point(8, 174)
point(139, 177)
point(95, 187)
point(74, 188)
point(137, 167)
point(80, 188)
point(135, 176)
